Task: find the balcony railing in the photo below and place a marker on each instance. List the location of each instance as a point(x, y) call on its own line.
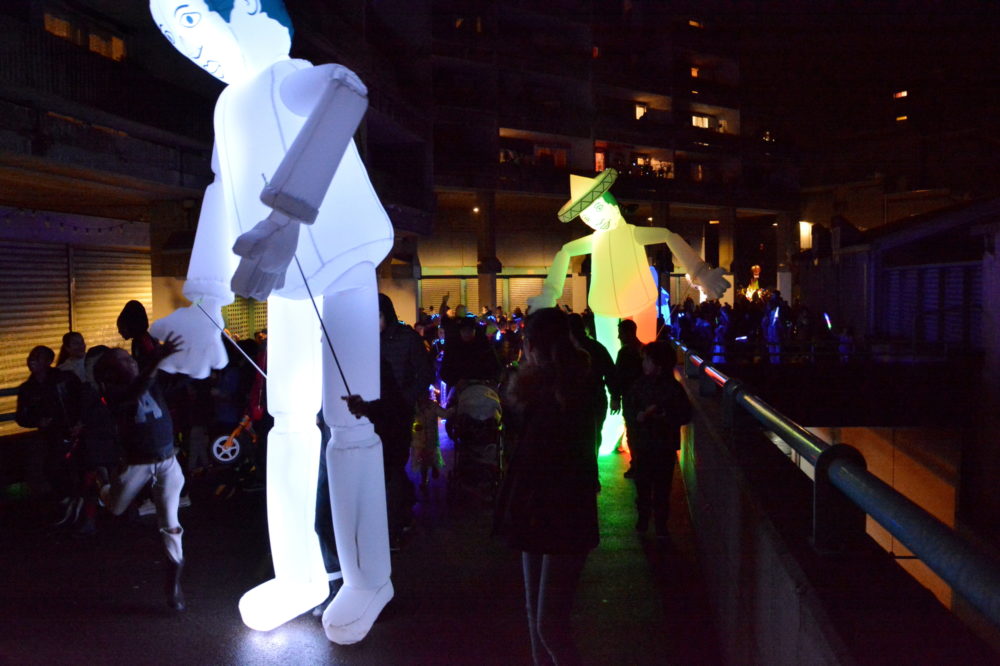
point(845, 491)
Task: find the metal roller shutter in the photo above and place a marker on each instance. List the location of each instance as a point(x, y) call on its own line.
point(893, 304)
point(432, 290)
point(930, 297)
point(954, 294)
point(34, 310)
point(103, 281)
point(908, 299)
point(523, 288)
point(973, 300)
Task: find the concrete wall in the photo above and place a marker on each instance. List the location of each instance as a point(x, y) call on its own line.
point(777, 600)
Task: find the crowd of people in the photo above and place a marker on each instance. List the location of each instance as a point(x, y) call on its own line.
point(113, 427)
point(107, 435)
point(763, 327)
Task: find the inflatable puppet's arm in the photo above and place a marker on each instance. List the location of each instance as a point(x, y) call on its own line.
point(334, 101)
point(207, 286)
point(709, 280)
point(552, 288)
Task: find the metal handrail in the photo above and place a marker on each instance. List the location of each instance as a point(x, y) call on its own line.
point(968, 569)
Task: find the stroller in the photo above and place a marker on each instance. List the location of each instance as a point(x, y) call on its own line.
point(474, 428)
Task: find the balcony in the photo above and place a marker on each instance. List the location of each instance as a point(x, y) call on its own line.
point(59, 70)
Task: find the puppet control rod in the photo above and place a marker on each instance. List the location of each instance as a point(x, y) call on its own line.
point(326, 334)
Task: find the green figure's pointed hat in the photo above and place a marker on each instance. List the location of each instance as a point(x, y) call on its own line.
point(584, 191)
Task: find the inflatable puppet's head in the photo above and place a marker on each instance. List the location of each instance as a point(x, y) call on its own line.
point(591, 200)
point(230, 39)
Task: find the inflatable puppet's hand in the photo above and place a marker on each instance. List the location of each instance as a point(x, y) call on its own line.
point(265, 251)
point(711, 281)
point(541, 301)
point(203, 347)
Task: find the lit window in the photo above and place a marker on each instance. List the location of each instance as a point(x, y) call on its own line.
point(73, 30)
point(713, 221)
point(595, 52)
point(700, 121)
point(58, 27)
point(694, 23)
point(640, 110)
point(694, 72)
point(902, 119)
point(697, 173)
point(598, 162)
point(805, 235)
point(899, 94)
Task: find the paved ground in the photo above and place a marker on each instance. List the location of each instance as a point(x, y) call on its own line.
point(458, 591)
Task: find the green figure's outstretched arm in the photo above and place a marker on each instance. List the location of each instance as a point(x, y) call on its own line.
point(552, 288)
point(710, 280)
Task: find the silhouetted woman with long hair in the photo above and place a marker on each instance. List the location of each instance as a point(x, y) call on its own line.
point(548, 505)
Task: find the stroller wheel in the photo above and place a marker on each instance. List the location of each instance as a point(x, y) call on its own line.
point(226, 450)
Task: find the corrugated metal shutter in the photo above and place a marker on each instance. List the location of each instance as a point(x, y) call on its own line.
point(935, 303)
point(930, 301)
point(432, 290)
point(34, 310)
point(953, 321)
point(472, 289)
point(908, 299)
point(472, 295)
point(523, 288)
point(974, 301)
point(893, 305)
point(103, 281)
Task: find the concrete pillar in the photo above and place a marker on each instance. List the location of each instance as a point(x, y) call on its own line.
point(784, 242)
point(727, 229)
point(486, 249)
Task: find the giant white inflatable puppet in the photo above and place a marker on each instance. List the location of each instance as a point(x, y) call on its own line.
point(292, 199)
point(621, 284)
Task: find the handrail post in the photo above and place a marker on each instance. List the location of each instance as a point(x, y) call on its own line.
point(838, 523)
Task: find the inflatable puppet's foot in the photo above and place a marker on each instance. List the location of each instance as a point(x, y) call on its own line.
point(352, 613)
point(275, 602)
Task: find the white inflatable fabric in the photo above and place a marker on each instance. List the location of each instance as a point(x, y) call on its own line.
point(292, 198)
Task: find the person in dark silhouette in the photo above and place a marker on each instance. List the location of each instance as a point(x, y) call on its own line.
point(49, 400)
point(547, 505)
point(147, 437)
point(657, 407)
point(602, 369)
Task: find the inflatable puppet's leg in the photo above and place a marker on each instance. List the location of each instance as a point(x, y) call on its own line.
point(294, 390)
point(354, 458)
point(606, 329)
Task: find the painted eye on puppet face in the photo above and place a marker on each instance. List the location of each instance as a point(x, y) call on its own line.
point(190, 19)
